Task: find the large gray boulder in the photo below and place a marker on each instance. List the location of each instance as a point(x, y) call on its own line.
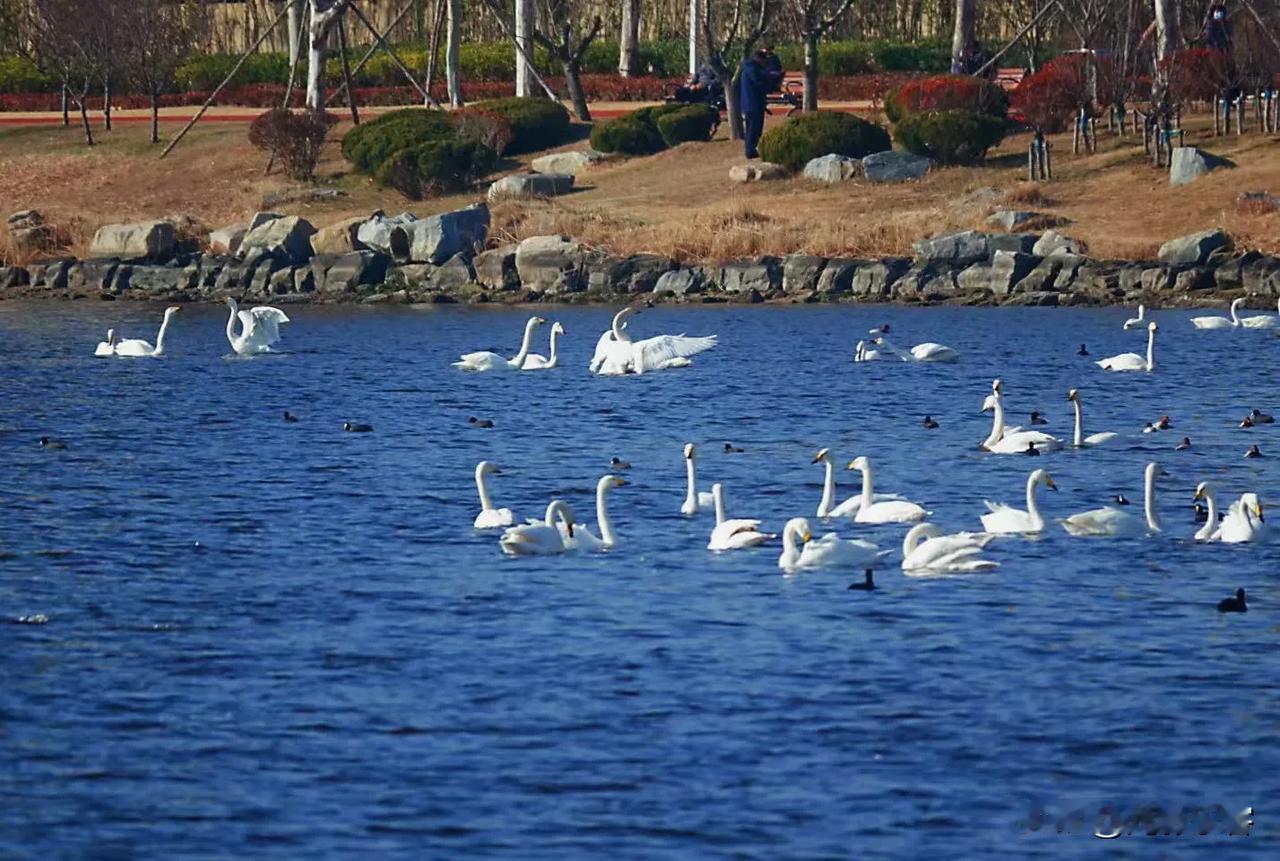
point(340, 238)
point(1022, 219)
point(375, 232)
point(551, 264)
point(29, 233)
point(496, 269)
point(801, 272)
point(894, 166)
point(957, 249)
point(1051, 243)
point(832, 168)
point(999, 276)
point(519, 185)
point(145, 239)
point(762, 275)
point(571, 163)
point(638, 273)
point(347, 273)
point(877, 279)
point(226, 240)
point(836, 277)
point(681, 282)
point(287, 238)
point(1196, 249)
point(436, 239)
point(1189, 163)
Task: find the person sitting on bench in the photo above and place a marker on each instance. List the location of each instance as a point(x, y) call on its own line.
point(703, 87)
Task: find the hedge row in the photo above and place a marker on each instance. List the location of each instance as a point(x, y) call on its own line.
point(651, 130)
point(809, 136)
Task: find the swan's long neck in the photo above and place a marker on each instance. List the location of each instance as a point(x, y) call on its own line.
point(719, 497)
point(526, 344)
point(164, 327)
point(915, 535)
point(1033, 509)
point(556, 507)
point(1211, 522)
point(1149, 502)
point(866, 485)
point(790, 552)
point(1235, 319)
point(691, 495)
point(1151, 349)
point(486, 504)
point(231, 322)
point(602, 515)
point(618, 333)
point(1078, 439)
point(555, 348)
point(828, 489)
point(997, 424)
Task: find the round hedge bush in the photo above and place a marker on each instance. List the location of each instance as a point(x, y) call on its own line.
point(811, 136)
point(690, 123)
point(536, 124)
point(946, 93)
point(950, 137)
point(436, 167)
point(371, 143)
point(628, 135)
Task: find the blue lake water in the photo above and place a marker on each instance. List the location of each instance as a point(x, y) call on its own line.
point(279, 640)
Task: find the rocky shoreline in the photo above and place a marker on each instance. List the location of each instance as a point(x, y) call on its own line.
point(445, 259)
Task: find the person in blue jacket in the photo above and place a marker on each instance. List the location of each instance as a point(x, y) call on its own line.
point(753, 93)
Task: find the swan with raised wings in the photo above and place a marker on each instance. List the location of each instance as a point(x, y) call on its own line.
point(862, 353)
point(927, 551)
point(136, 348)
point(1078, 439)
point(1111, 522)
point(582, 537)
point(1244, 523)
point(539, 537)
point(888, 511)
point(489, 516)
point(829, 551)
point(693, 498)
point(1134, 361)
point(259, 328)
point(1262, 321)
point(534, 362)
point(733, 534)
point(617, 354)
point(1210, 530)
point(107, 347)
point(1216, 322)
point(1135, 322)
point(489, 361)
point(1002, 519)
point(1004, 440)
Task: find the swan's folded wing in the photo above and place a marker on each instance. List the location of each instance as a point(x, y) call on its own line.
point(602, 351)
point(996, 507)
point(652, 353)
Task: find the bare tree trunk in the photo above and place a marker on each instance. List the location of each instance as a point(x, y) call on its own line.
point(82, 103)
point(66, 104)
point(964, 35)
point(695, 44)
point(629, 38)
point(106, 103)
point(452, 41)
point(732, 108)
point(155, 116)
point(573, 83)
point(324, 14)
point(295, 29)
point(1166, 47)
point(810, 70)
point(524, 38)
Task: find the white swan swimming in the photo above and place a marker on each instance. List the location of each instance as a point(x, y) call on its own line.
point(1001, 519)
point(259, 328)
point(488, 361)
point(927, 551)
point(1211, 529)
point(1133, 361)
point(1112, 522)
point(827, 505)
point(829, 551)
point(862, 353)
point(1078, 439)
point(733, 534)
point(1244, 523)
point(1216, 322)
point(1135, 322)
point(135, 348)
point(582, 538)
point(490, 517)
point(1003, 440)
point(539, 537)
point(107, 347)
point(889, 511)
point(617, 354)
point(1262, 321)
point(926, 352)
point(534, 362)
point(693, 498)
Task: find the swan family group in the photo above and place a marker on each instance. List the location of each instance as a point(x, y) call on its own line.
point(257, 332)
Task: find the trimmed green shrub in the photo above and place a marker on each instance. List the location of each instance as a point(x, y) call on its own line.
point(483, 127)
point(370, 144)
point(20, 75)
point(809, 136)
point(205, 71)
point(436, 167)
point(627, 135)
point(536, 124)
point(950, 137)
point(690, 123)
point(911, 56)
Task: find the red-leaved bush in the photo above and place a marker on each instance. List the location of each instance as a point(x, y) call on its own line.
point(1050, 99)
point(947, 93)
point(1198, 74)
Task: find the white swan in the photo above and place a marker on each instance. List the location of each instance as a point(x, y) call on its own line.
point(487, 361)
point(581, 538)
point(135, 348)
point(862, 353)
point(1211, 529)
point(827, 505)
point(1216, 322)
point(1244, 522)
point(1135, 322)
point(1004, 440)
point(107, 347)
point(1078, 439)
point(490, 517)
point(1133, 361)
point(693, 498)
point(889, 511)
point(829, 551)
point(1000, 519)
point(733, 534)
point(534, 362)
point(617, 354)
point(1262, 321)
point(1112, 522)
point(539, 537)
point(926, 352)
point(259, 328)
point(926, 551)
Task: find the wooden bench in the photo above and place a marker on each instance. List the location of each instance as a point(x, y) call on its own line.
point(1008, 79)
point(791, 93)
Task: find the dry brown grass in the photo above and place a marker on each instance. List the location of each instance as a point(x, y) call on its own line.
point(1028, 194)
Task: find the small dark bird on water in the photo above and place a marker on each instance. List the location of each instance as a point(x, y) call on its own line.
point(1184, 445)
point(929, 423)
point(867, 585)
point(619, 463)
point(290, 417)
point(1037, 419)
point(351, 427)
point(480, 423)
point(1247, 422)
point(1082, 351)
point(1253, 451)
point(1032, 451)
point(1234, 605)
point(732, 449)
point(1120, 499)
point(1258, 417)
point(46, 442)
